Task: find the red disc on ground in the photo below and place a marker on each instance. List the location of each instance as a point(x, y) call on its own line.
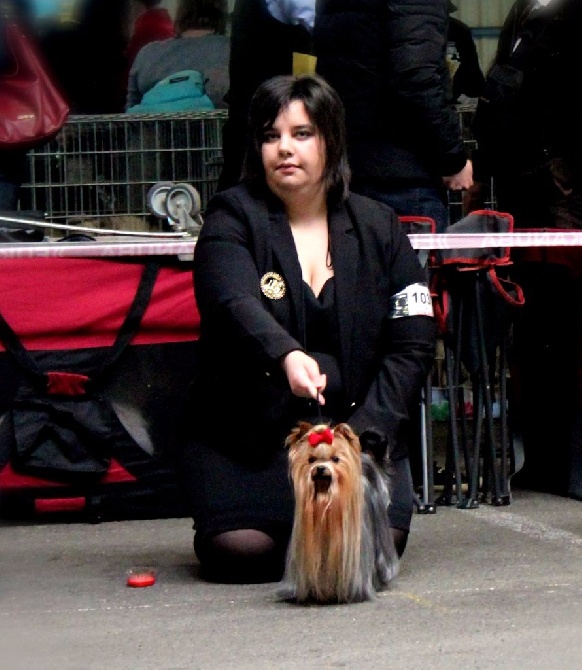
point(140, 579)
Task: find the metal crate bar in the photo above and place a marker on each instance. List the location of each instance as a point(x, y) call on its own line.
point(101, 167)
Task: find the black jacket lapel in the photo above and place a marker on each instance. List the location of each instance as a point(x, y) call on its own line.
point(286, 254)
point(344, 254)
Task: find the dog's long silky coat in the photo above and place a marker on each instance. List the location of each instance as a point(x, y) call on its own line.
point(341, 548)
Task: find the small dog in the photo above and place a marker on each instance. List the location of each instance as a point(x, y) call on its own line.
point(341, 548)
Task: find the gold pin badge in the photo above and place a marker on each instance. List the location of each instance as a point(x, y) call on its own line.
point(273, 285)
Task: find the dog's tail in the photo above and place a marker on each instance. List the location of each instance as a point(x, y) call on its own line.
point(380, 541)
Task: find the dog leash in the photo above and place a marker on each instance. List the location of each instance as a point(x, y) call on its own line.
point(319, 414)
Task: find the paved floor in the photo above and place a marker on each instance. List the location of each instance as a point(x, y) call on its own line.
point(487, 588)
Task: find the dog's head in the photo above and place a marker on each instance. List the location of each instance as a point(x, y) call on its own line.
point(324, 461)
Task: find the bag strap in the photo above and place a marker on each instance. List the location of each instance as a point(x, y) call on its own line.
point(134, 316)
point(73, 383)
point(508, 290)
point(500, 284)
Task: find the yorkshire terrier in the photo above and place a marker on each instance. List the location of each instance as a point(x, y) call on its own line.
point(341, 548)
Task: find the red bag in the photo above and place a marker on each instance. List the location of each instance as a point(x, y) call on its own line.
point(33, 110)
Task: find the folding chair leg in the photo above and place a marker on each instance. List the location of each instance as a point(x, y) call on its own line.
point(454, 432)
point(485, 381)
point(504, 427)
point(477, 428)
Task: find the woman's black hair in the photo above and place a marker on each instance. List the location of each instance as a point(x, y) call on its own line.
point(324, 109)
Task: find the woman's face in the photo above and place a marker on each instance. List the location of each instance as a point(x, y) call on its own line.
point(293, 153)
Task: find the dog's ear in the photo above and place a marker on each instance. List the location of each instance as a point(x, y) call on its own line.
point(345, 430)
point(302, 428)
point(375, 444)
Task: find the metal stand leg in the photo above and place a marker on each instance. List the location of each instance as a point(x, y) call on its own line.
point(426, 505)
point(485, 381)
point(504, 427)
point(453, 462)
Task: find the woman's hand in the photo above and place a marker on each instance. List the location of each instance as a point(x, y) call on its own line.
point(305, 379)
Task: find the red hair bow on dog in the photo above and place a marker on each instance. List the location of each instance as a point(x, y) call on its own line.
point(324, 435)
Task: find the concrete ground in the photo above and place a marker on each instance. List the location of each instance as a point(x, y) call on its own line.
point(486, 588)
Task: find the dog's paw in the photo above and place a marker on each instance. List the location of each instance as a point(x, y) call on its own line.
point(286, 591)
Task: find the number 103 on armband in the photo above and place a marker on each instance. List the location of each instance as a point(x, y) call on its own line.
point(414, 300)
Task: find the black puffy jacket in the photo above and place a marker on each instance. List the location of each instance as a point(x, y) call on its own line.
point(527, 115)
point(387, 61)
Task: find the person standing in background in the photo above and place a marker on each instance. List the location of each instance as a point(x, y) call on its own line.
point(89, 56)
point(200, 44)
point(151, 24)
point(529, 138)
point(264, 36)
point(529, 134)
point(95, 57)
point(387, 61)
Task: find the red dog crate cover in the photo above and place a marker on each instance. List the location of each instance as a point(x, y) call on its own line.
point(74, 303)
point(66, 313)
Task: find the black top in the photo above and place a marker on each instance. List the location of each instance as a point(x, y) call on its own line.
point(321, 319)
point(322, 342)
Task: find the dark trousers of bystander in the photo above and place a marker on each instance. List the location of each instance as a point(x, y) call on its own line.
point(546, 358)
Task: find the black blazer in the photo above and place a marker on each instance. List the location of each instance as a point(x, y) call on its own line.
point(387, 61)
point(244, 334)
point(525, 116)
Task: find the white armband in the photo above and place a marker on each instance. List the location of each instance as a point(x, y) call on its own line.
point(414, 300)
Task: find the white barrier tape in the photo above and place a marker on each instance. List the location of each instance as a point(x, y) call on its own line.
point(185, 248)
point(182, 248)
point(483, 240)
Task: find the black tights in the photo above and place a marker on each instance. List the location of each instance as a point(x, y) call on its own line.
point(244, 556)
point(250, 556)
